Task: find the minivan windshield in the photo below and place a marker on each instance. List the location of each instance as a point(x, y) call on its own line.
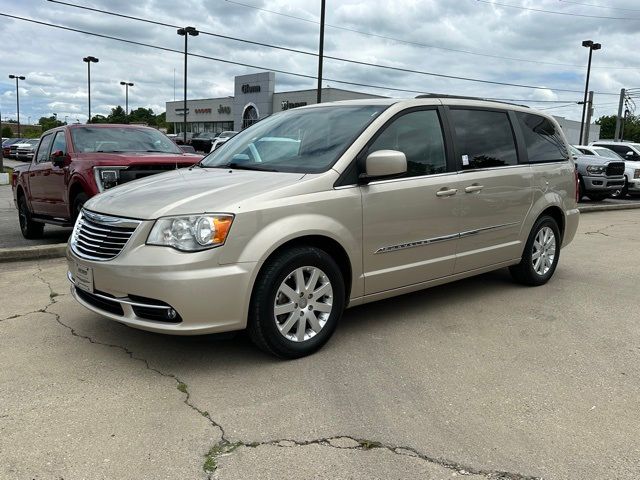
point(121, 139)
point(302, 141)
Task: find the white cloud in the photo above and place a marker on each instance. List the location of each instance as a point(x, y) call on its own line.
point(51, 59)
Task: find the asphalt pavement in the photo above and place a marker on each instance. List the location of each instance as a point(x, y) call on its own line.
point(479, 379)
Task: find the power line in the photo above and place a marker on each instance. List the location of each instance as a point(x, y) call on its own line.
point(206, 57)
point(601, 6)
point(340, 59)
point(425, 45)
point(490, 2)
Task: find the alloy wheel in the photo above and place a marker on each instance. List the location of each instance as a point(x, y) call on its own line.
point(544, 251)
point(303, 304)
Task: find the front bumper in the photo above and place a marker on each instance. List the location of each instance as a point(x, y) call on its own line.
point(602, 184)
point(139, 286)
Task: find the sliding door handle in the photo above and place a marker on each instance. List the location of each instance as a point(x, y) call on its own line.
point(473, 188)
point(446, 192)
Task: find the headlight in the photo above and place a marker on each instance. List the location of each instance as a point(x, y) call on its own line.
point(107, 177)
point(597, 169)
point(636, 173)
point(191, 233)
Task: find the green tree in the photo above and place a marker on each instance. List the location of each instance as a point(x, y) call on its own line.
point(631, 127)
point(117, 115)
point(142, 115)
point(6, 132)
point(49, 122)
point(607, 126)
point(99, 119)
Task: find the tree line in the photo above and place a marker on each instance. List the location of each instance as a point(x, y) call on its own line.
point(631, 130)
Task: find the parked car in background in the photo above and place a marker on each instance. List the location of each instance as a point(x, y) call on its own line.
point(187, 148)
point(73, 163)
point(10, 146)
point(25, 149)
point(202, 141)
point(631, 168)
point(322, 207)
point(221, 139)
point(627, 150)
point(598, 177)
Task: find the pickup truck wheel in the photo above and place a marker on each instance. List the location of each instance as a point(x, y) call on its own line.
point(580, 189)
point(297, 302)
point(30, 229)
point(621, 193)
point(78, 203)
point(541, 254)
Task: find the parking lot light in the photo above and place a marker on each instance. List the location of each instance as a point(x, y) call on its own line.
point(18, 77)
point(185, 32)
point(89, 60)
point(126, 97)
point(591, 46)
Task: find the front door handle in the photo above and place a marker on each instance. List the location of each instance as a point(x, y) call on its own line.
point(473, 188)
point(446, 192)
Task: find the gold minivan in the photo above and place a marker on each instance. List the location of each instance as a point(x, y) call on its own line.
point(324, 207)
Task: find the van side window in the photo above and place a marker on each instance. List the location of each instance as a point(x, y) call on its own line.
point(544, 143)
point(43, 149)
point(419, 136)
point(484, 138)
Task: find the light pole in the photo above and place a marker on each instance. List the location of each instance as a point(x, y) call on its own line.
point(65, 119)
point(185, 32)
point(126, 96)
point(28, 119)
point(89, 60)
point(591, 46)
point(18, 77)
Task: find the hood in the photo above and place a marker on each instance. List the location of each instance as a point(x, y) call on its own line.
point(188, 191)
point(138, 158)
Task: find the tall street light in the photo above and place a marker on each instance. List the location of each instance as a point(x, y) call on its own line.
point(591, 46)
point(185, 32)
point(126, 96)
point(18, 77)
point(89, 60)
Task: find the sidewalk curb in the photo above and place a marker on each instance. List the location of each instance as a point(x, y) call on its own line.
point(32, 253)
point(604, 208)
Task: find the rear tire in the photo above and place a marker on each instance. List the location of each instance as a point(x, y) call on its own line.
point(30, 229)
point(296, 304)
point(541, 254)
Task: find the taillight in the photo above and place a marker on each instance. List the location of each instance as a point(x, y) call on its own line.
point(577, 182)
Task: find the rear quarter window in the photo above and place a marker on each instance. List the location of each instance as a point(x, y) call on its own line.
point(543, 141)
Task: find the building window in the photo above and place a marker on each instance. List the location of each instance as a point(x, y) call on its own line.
point(249, 117)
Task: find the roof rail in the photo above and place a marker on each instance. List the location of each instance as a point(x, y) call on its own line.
point(463, 97)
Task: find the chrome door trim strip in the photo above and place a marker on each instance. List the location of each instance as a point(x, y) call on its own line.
point(429, 241)
point(417, 243)
point(484, 229)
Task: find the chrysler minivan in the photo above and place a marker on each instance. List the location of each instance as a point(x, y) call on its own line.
point(324, 207)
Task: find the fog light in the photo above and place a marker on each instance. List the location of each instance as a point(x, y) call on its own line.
point(172, 314)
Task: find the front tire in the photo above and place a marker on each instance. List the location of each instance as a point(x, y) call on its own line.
point(30, 230)
point(297, 302)
point(78, 203)
point(596, 197)
point(541, 254)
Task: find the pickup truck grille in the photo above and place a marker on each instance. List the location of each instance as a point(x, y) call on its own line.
point(615, 169)
point(101, 237)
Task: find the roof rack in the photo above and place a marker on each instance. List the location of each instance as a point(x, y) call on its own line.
point(463, 97)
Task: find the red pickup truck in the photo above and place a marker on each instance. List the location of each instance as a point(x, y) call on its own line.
point(75, 162)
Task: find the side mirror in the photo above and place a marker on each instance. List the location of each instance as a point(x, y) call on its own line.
point(629, 154)
point(57, 158)
point(384, 164)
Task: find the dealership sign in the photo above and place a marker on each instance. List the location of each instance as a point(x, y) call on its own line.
point(203, 110)
point(246, 88)
point(286, 104)
point(224, 109)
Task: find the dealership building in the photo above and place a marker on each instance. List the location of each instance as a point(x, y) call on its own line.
point(255, 98)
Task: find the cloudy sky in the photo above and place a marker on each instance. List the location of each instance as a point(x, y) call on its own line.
point(487, 40)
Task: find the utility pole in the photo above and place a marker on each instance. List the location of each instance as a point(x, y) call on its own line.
point(588, 125)
point(321, 52)
point(616, 136)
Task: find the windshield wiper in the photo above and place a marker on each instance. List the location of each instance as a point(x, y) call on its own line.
point(240, 166)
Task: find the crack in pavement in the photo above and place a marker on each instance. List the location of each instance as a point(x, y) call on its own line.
point(600, 232)
point(225, 446)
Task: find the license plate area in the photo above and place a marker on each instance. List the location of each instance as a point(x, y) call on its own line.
point(83, 276)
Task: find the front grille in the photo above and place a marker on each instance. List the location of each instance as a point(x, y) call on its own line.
point(101, 237)
point(615, 169)
point(100, 303)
